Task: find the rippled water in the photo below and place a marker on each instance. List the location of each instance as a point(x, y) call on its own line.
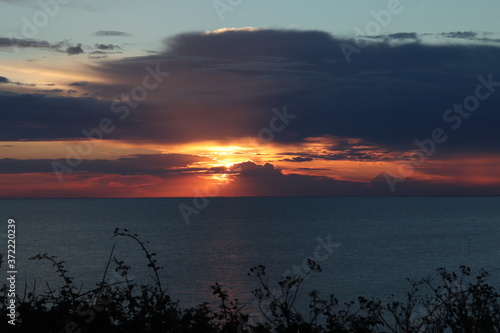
point(382, 240)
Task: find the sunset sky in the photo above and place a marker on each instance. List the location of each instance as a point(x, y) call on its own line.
point(183, 98)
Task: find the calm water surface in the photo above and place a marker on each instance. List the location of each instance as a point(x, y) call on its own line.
point(382, 240)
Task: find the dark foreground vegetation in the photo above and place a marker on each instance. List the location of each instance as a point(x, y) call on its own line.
point(451, 302)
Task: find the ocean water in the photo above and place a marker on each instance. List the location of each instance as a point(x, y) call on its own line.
point(377, 242)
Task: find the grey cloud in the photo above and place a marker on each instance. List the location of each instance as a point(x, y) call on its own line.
point(64, 46)
point(79, 84)
point(460, 34)
point(404, 35)
point(51, 91)
point(73, 50)
point(150, 164)
point(4, 80)
point(226, 85)
point(27, 43)
point(111, 33)
point(253, 180)
point(106, 46)
point(298, 159)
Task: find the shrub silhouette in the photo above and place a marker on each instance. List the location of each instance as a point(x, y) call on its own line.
point(454, 302)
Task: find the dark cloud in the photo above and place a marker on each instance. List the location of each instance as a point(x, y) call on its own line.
point(93, 56)
point(5, 80)
point(221, 169)
point(247, 178)
point(51, 91)
point(64, 46)
point(316, 169)
point(460, 34)
point(111, 33)
point(148, 164)
point(256, 180)
point(12, 166)
point(106, 46)
point(39, 117)
point(102, 54)
point(226, 85)
point(73, 50)
point(339, 156)
point(298, 159)
point(472, 36)
point(27, 43)
point(389, 95)
point(78, 84)
point(260, 43)
point(345, 150)
point(399, 37)
point(404, 35)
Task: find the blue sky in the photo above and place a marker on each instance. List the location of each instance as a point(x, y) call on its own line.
point(149, 22)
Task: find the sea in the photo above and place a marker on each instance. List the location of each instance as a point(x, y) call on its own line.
point(365, 246)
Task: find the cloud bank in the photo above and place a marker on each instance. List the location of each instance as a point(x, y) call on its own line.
point(224, 85)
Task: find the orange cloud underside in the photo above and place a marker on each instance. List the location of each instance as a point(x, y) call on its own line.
point(250, 149)
point(466, 170)
point(40, 185)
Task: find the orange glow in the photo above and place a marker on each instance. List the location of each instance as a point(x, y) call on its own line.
point(225, 154)
point(467, 170)
point(215, 169)
point(45, 185)
point(46, 73)
point(103, 149)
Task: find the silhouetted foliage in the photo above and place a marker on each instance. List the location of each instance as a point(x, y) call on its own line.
point(454, 302)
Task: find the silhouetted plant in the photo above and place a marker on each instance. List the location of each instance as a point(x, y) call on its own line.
point(229, 318)
point(68, 292)
point(454, 305)
point(457, 302)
